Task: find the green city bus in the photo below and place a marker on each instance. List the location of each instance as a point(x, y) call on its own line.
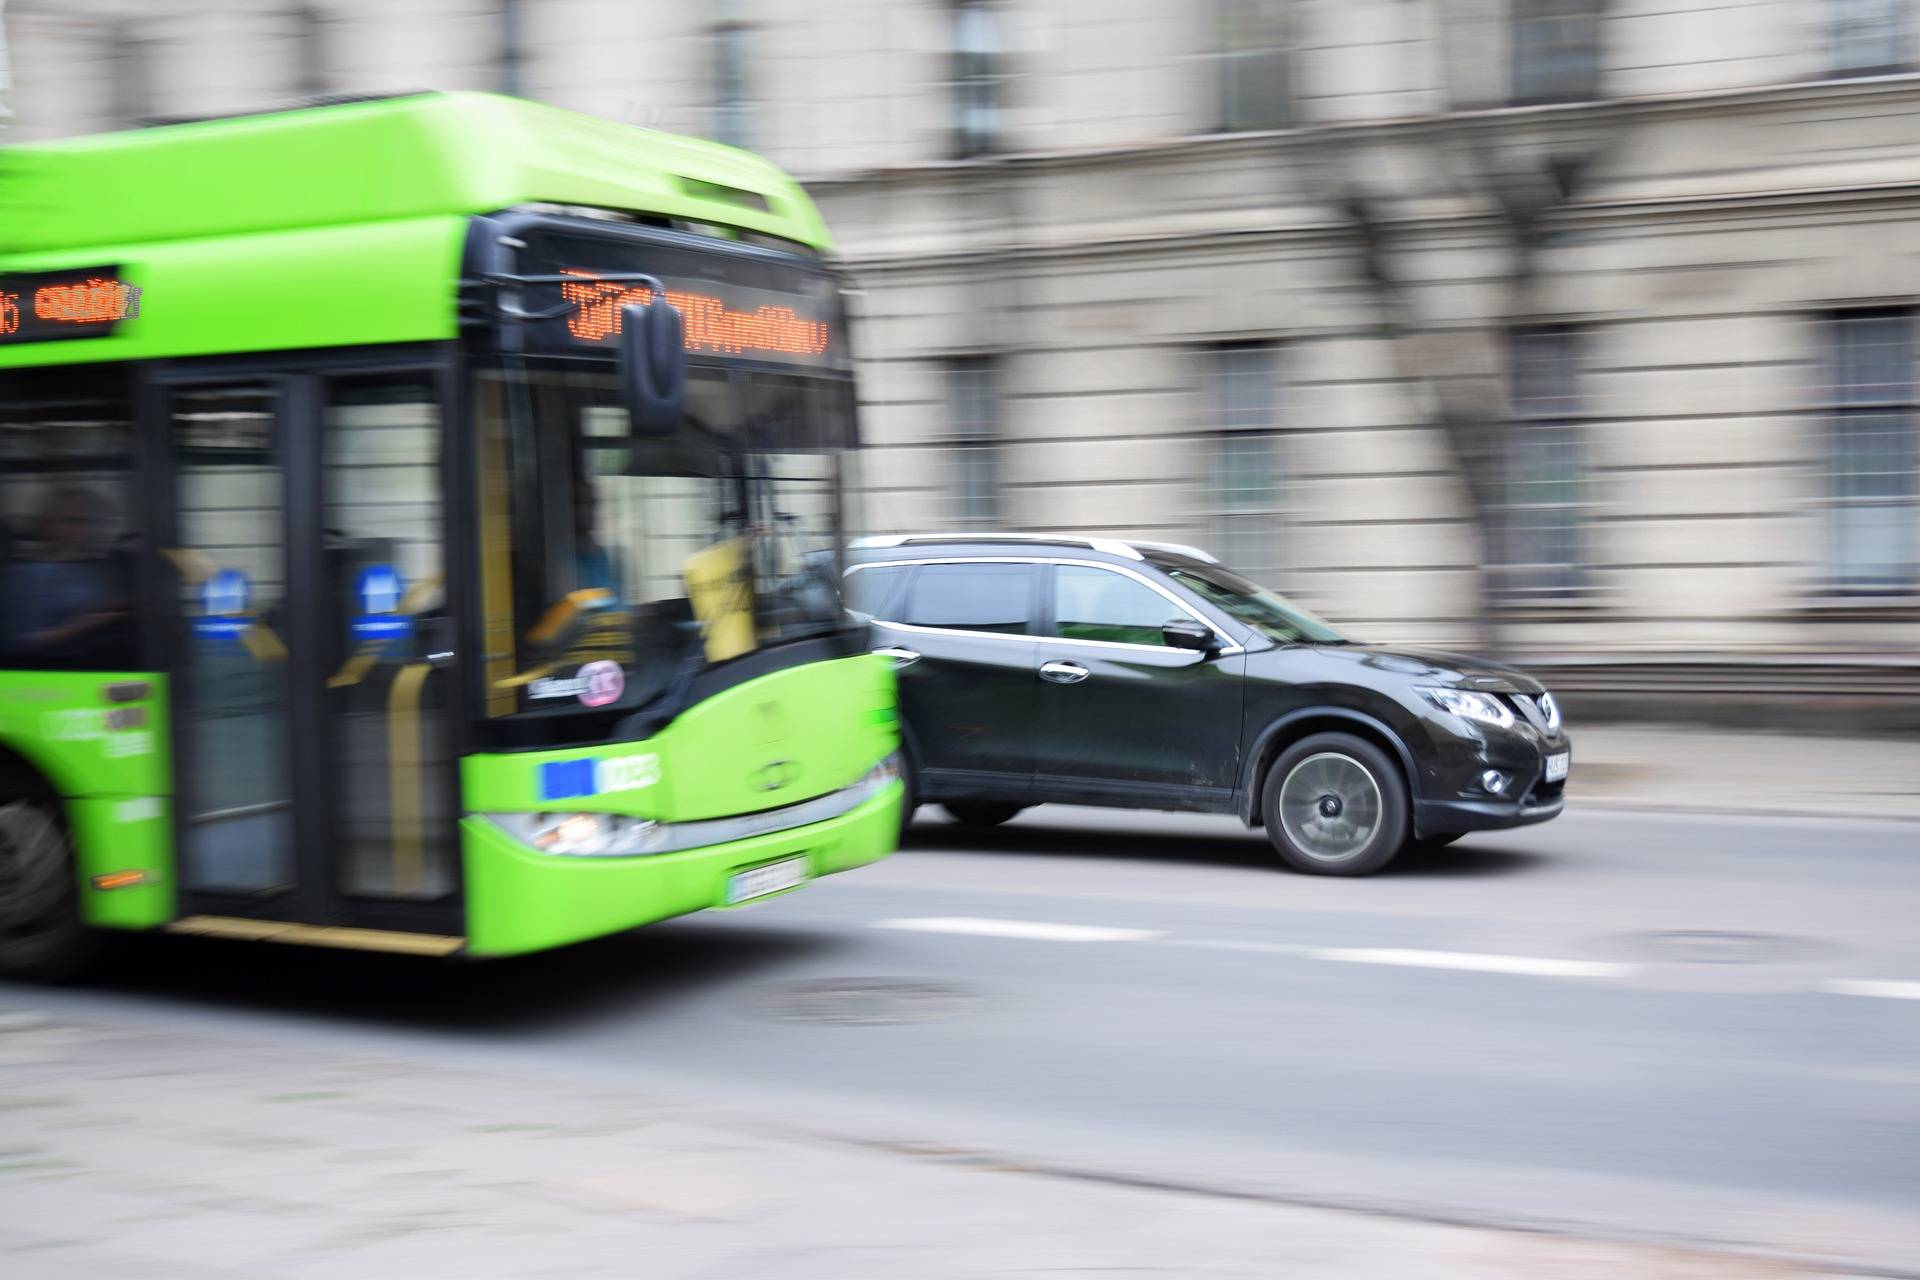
point(345, 596)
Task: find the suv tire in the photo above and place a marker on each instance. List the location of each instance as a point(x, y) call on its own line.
point(909, 795)
point(41, 933)
point(1335, 805)
point(981, 813)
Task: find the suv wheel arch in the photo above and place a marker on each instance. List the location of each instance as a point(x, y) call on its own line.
point(1295, 725)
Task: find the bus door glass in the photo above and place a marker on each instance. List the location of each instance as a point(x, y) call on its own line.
point(232, 689)
point(386, 638)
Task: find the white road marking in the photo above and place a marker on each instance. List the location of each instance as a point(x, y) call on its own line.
point(1469, 961)
point(1259, 948)
point(1034, 929)
point(1864, 987)
point(1538, 966)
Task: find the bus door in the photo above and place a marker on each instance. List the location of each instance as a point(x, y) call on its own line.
point(314, 769)
point(232, 689)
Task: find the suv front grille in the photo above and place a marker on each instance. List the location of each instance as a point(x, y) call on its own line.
point(1530, 708)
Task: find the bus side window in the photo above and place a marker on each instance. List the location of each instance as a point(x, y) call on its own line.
point(68, 555)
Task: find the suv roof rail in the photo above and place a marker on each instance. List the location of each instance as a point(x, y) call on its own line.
point(1177, 548)
point(1110, 546)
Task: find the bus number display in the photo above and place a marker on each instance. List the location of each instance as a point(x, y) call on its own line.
point(47, 306)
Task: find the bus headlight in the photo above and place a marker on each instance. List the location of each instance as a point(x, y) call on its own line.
point(880, 775)
point(582, 835)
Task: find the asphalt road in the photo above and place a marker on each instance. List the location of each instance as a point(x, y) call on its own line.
point(1652, 1026)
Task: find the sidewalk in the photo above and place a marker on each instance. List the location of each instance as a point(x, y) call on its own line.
point(1671, 767)
point(133, 1152)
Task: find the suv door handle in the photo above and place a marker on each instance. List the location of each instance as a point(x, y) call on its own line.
point(1063, 672)
point(901, 657)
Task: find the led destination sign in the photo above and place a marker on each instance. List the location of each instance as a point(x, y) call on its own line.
point(750, 307)
point(754, 323)
point(50, 305)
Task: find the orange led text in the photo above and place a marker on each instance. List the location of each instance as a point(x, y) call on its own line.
point(712, 326)
point(93, 301)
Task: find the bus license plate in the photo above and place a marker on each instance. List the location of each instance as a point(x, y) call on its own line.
point(1557, 766)
point(761, 881)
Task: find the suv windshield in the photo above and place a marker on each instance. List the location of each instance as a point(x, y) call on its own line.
point(1263, 610)
point(614, 570)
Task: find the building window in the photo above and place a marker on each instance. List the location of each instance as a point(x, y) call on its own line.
point(977, 53)
point(1869, 37)
point(1556, 50)
point(1245, 485)
point(1540, 523)
point(1252, 60)
point(973, 401)
point(1873, 489)
point(732, 108)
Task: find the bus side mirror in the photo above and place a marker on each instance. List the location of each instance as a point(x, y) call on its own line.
point(653, 366)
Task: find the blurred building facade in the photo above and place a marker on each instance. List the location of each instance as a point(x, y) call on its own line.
point(1619, 298)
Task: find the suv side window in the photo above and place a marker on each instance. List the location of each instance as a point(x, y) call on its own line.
point(1099, 604)
point(871, 588)
point(973, 597)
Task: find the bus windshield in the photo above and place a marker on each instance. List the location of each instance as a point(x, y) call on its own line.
point(634, 564)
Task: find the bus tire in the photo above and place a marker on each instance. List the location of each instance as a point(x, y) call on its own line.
point(42, 936)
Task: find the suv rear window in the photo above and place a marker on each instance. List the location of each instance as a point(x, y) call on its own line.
point(871, 587)
point(972, 597)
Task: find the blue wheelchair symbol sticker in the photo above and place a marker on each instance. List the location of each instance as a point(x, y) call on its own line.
point(224, 598)
point(381, 589)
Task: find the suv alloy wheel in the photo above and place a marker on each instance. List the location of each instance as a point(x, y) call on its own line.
point(1335, 805)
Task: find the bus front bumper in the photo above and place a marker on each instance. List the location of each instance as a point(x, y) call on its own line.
point(521, 900)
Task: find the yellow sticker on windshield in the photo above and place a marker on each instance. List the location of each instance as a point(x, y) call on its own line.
point(721, 591)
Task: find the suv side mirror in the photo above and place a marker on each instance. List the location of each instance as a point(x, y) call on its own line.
point(653, 366)
point(1185, 633)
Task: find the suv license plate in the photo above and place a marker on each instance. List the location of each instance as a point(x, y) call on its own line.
point(761, 881)
point(1557, 766)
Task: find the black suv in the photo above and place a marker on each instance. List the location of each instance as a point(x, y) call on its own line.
point(1037, 669)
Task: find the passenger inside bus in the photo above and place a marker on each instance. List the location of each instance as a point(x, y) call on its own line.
point(593, 564)
point(67, 601)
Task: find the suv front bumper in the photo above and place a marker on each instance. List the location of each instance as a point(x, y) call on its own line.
point(1436, 817)
point(1451, 799)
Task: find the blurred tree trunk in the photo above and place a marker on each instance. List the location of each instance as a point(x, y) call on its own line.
point(6, 78)
point(1460, 363)
point(1517, 175)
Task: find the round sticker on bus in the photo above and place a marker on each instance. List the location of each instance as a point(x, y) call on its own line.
point(602, 683)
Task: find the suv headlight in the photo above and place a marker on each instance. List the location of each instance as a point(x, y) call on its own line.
point(1550, 712)
point(582, 835)
point(1470, 705)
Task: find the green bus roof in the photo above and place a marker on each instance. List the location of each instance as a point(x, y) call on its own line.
point(341, 225)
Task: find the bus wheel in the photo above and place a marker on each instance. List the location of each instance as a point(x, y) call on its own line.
point(41, 933)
